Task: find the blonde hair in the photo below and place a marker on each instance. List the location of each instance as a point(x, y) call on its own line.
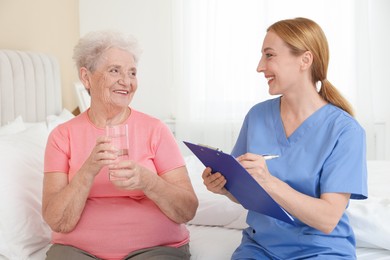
point(301, 35)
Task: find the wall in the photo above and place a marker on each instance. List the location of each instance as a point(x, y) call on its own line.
point(44, 26)
point(380, 67)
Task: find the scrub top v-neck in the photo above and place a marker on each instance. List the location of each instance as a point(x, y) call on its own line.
point(325, 154)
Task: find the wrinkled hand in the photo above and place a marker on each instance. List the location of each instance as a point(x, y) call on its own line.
point(103, 154)
point(131, 176)
point(256, 166)
point(214, 182)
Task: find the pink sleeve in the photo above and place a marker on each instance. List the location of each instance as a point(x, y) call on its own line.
point(57, 152)
point(167, 154)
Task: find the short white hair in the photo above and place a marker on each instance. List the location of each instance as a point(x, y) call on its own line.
point(91, 46)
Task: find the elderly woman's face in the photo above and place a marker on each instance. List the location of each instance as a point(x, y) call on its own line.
point(114, 81)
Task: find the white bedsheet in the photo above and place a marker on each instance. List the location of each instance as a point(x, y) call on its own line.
point(218, 243)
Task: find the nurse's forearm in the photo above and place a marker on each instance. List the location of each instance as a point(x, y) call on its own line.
point(320, 213)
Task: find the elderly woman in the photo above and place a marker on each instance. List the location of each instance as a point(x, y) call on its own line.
point(137, 216)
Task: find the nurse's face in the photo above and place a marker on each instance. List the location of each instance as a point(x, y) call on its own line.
point(114, 82)
point(280, 67)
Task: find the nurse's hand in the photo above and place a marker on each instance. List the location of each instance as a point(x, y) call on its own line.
point(256, 167)
point(214, 182)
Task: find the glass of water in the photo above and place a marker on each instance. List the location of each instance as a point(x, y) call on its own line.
point(119, 139)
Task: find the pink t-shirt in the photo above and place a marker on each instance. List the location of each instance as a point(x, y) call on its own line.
point(114, 223)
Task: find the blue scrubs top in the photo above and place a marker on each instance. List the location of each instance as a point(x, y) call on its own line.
point(326, 153)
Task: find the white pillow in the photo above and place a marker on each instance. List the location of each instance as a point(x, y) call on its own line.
point(370, 218)
point(22, 229)
point(13, 127)
point(54, 120)
point(214, 209)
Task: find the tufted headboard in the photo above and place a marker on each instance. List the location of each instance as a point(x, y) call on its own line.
point(30, 86)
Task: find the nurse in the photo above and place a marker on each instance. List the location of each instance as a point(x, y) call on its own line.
point(321, 148)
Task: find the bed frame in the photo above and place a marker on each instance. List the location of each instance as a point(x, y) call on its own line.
point(30, 86)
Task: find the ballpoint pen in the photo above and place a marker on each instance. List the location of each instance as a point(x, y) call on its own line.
point(270, 156)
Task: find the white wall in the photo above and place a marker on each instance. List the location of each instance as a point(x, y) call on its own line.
point(379, 22)
point(151, 22)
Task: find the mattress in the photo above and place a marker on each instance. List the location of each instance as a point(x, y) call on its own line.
point(218, 243)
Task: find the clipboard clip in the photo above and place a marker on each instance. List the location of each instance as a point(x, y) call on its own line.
point(210, 147)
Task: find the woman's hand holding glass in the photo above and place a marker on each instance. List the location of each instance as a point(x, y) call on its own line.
point(129, 175)
point(125, 173)
point(103, 154)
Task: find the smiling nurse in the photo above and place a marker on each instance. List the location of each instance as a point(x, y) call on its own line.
point(322, 162)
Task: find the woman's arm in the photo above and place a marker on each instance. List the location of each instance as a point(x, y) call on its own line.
point(320, 213)
point(172, 192)
point(63, 201)
point(174, 195)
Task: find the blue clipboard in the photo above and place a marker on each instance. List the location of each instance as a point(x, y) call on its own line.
point(240, 183)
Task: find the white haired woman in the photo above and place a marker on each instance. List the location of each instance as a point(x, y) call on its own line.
point(139, 215)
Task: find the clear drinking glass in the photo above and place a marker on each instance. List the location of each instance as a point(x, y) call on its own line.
point(119, 139)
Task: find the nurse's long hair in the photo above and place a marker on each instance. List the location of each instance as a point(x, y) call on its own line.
point(301, 35)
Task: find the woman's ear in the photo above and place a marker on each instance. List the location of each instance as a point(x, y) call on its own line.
point(85, 77)
point(306, 60)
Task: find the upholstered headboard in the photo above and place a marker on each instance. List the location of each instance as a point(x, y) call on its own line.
point(30, 86)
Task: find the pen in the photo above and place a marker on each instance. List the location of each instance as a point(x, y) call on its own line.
point(270, 156)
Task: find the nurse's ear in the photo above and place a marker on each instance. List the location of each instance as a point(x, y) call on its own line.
point(306, 60)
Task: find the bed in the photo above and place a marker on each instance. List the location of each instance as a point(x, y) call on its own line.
point(30, 95)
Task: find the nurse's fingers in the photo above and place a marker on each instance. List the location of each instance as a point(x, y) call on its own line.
point(250, 161)
point(206, 173)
